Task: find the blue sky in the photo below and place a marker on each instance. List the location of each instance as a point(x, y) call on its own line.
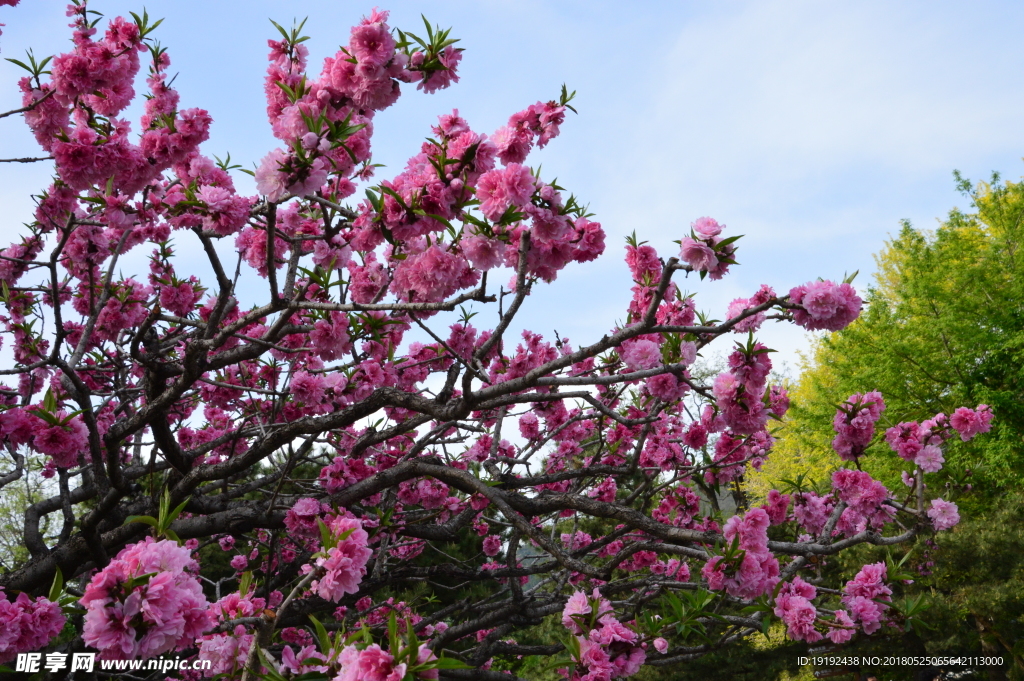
point(812, 128)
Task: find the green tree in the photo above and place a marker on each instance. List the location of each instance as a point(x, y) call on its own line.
point(943, 326)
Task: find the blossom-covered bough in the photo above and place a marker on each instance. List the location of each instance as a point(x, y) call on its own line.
point(349, 474)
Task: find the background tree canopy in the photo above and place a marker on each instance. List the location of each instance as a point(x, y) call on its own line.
point(943, 325)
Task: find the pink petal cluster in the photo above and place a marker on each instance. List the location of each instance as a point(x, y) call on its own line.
point(865, 498)
point(739, 305)
point(922, 442)
point(640, 353)
point(301, 518)
point(739, 392)
point(345, 564)
point(757, 572)
point(432, 275)
point(825, 305)
point(812, 511)
point(63, 442)
point(163, 612)
point(862, 595)
point(369, 664)
point(97, 78)
point(497, 190)
point(227, 653)
point(777, 507)
point(703, 250)
point(943, 514)
point(540, 120)
point(492, 545)
point(608, 648)
point(854, 424)
point(27, 624)
point(970, 422)
point(793, 606)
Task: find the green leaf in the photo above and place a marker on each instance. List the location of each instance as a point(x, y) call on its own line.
point(144, 519)
point(245, 582)
point(321, 633)
point(57, 587)
point(449, 663)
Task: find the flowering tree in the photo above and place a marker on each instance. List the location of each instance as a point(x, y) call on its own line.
point(341, 476)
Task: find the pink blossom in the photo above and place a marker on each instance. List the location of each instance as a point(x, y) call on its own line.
point(369, 664)
point(812, 511)
point(825, 305)
point(372, 44)
point(63, 442)
point(483, 253)
point(930, 459)
point(330, 336)
point(776, 507)
point(638, 354)
point(867, 613)
point(301, 518)
point(970, 422)
point(27, 624)
point(492, 545)
point(165, 612)
point(854, 424)
point(661, 645)
point(707, 227)
point(529, 426)
point(697, 255)
point(345, 563)
point(666, 387)
point(905, 440)
point(432, 275)
point(943, 514)
point(577, 606)
point(799, 616)
point(271, 181)
point(445, 76)
point(843, 629)
point(499, 189)
point(180, 299)
point(227, 653)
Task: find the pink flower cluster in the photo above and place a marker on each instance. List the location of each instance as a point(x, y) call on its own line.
point(793, 606)
point(943, 514)
point(369, 664)
point(812, 511)
point(96, 78)
point(740, 305)
point(865, 499)
point(145, 602)
point(740, 390)
point(757, 571)
point(922, 442)
point(64, 442)
point(227, 653)
point(540, 121)
point(862, 595)
point(301, 518)
point(704, 251)
point(27, 624)
point(854, 424)
point(359, 80)
point(825, 305)
point(608, 648)
point(970, 422)
point(345, 563)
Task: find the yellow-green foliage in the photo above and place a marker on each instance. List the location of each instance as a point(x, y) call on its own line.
point(943, 327)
